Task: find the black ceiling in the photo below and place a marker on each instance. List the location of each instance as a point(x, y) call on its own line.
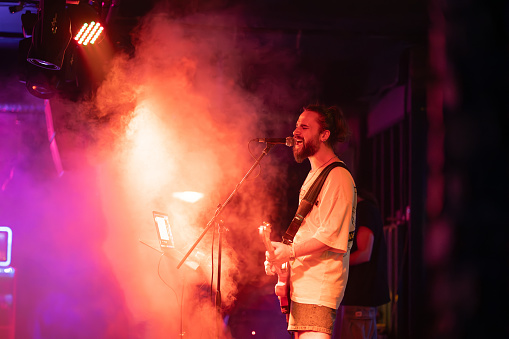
point(364, 40)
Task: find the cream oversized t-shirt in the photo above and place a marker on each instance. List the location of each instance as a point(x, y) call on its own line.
point(320, 278)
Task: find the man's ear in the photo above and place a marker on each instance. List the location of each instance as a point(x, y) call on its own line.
point(324, 135)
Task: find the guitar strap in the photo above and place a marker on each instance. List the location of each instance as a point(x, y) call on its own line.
point(308, 201)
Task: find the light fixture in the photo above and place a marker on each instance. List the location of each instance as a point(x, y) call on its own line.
point(188, 196)
point(85, 23)
point(89, 33)
point(51, 36)
point(41, 90)
point(38, 81)
point(55, 53)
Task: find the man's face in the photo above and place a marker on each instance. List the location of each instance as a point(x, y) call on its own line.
point(306, 135)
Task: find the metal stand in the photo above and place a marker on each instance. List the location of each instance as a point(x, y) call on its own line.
point(215, 220)
point(220, 230)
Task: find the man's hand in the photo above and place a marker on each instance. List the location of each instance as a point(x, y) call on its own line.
point(269, 268)
point(281, 254)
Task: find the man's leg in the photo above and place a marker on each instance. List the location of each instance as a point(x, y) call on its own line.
point(311, 335)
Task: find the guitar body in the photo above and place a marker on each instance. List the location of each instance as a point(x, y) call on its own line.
point(281, 288)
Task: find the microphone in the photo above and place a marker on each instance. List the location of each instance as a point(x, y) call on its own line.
point(288, 141)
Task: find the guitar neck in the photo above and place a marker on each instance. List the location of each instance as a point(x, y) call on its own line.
point(265, 235)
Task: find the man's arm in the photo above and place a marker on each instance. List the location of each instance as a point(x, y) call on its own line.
point(365, 240)
point(283, 252)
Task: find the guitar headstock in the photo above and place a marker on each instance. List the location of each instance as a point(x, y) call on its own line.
point(264, 231)
point(265, 227)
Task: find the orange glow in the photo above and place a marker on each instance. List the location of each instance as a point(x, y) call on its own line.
point(169, 118)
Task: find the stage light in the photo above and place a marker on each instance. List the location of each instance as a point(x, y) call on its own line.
point(86, 25)
point(56, 50)
point(51, 36)
point(89, 33)
point(188, 196)
point(38, 81)
point(41, 90)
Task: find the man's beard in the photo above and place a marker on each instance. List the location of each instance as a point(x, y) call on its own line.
point(308, 149)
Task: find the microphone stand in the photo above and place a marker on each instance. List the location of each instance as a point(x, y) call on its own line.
point(213, 221)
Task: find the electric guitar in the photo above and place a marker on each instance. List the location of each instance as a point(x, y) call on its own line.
point(281, 288)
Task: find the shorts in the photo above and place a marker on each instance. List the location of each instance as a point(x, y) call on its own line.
point(306, 317)
point(357, 322)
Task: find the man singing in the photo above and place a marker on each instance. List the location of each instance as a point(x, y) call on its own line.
point(319, 254)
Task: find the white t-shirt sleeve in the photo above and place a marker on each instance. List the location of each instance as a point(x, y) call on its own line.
point(335, 210)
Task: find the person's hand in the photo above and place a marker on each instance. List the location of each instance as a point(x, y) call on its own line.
point(269, 268)
point(281, 255)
